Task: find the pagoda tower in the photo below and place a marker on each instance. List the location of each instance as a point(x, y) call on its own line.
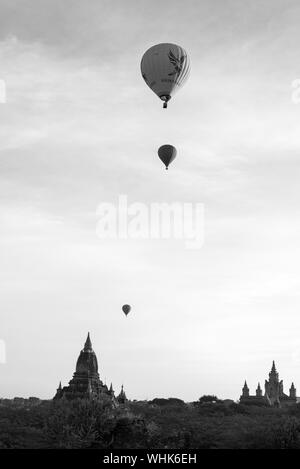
point(111, 390)
point(274, 394)
point(86, 382)
point(273, 387)
point(122, 399)
point(258, 391)
point(293, 392)
point(245, 390)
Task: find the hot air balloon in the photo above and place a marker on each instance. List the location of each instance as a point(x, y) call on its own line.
point(165, 68)
point(126, 309)
point(167, 153)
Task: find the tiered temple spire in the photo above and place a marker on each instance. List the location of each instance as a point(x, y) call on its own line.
point(245, 390)
point(258, 391)
point(86, 383)
point(122, 396)
point(293, 391)
point(274, 394)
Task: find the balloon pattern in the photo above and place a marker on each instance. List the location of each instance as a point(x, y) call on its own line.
point(165, 68)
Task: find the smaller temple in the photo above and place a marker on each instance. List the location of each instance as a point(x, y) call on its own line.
point(258, 391)
point(111, 391)
point(273, 396)
point(122, 399)
point(86, 382)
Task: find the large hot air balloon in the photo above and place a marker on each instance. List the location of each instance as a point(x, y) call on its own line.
point(167, 153)
point(165, 68)
point(126, 309)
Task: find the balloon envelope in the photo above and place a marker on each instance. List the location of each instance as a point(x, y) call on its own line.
point(165, 68)
point(126, 309)
point(167, 153)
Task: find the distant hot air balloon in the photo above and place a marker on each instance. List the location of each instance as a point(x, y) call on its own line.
point(167, 153)
point(126, 309)
point(165, 68)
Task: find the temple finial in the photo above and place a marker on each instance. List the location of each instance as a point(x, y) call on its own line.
point(273, 366)
point(88, 343)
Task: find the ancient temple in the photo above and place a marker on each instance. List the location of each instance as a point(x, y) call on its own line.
point(273, 396)
point(122, 399)
point(86, 382)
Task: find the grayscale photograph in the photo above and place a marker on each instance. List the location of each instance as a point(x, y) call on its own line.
point(149, 228)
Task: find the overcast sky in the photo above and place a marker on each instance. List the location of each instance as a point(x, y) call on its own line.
point(80, 127)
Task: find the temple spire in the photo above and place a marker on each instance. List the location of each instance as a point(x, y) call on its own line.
point(111, 390)
point(273, 373)
point(246, 386)
point(86, 383)
point(258, 391)
point(273, 367)
point(122, 396)
point(293, 392)
point(245, 390)
point(88, 343)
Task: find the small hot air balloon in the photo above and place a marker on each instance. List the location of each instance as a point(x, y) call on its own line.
point(126, 309)
point(167, 153)
point(165, 68)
